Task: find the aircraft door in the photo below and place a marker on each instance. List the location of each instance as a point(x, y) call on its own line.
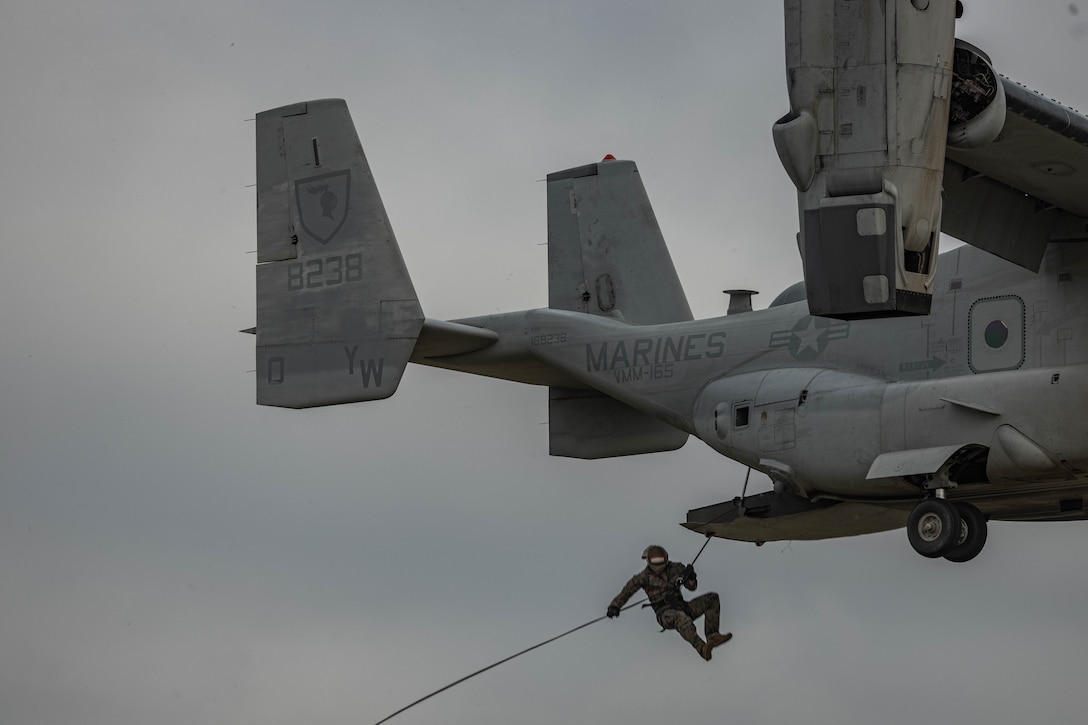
point(780, 395)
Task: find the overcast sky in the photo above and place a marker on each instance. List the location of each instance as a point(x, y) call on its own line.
point(170, 553)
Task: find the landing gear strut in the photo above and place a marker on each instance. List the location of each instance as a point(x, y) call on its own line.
point(956, 531)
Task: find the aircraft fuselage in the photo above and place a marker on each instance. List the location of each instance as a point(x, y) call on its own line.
point(816, 402)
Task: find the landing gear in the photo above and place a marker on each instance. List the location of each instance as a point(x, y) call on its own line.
point(933, 527)
point(972, 534)
point(956, 531)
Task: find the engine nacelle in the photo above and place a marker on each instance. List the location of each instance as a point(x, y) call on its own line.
point(864, 143)
point(977, 113)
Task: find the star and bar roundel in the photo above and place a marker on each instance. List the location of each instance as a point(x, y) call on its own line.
point(809, 337)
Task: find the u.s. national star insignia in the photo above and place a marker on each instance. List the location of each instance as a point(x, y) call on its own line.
point(809, 337)
point(323, 203)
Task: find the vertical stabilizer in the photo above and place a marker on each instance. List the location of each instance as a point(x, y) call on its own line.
point(337, 315)
point(606, 254)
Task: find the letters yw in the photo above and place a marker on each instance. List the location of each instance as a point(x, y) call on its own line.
point(369, 369)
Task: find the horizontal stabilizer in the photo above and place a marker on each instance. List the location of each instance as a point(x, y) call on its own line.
point(337, 315)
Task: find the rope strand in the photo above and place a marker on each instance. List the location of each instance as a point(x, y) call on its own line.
point(507, 659)
point(547, 641)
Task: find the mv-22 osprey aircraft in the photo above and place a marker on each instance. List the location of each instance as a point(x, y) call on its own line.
point(891, 388)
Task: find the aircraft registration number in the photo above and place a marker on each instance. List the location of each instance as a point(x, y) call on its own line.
point(326, 272)
point(550, 339)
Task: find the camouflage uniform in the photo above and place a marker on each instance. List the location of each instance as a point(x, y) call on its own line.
point(669, 605)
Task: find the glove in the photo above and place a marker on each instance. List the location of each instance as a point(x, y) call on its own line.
point(613, 611)
point(689, 572)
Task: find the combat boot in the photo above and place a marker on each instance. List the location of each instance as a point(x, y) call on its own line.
point(705, 649)
point(716, 639)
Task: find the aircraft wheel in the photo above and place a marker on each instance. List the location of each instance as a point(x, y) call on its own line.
point(972, 534)
point(933, 527)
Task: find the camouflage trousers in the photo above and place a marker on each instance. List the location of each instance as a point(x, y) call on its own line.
point(707, 606)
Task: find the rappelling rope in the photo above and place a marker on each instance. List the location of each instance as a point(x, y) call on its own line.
point(530, 649)
point(485, 669)
point(547, 641)
point(710, 536)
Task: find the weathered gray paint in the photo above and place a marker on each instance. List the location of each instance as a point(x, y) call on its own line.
point(333, 294)
point(869, 87)
point(853, 419)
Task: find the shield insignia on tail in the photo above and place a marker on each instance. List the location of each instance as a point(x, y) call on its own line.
point(323, 204)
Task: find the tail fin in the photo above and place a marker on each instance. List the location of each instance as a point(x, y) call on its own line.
point(337, 315)
point(605, 249)
point(606, 255)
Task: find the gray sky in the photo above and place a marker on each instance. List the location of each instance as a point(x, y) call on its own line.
point(170, 553)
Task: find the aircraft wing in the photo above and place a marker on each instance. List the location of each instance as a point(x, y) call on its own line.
point(1025, 189)
point(775, 516)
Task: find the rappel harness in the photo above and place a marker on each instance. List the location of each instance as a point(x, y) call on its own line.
point(674, 598)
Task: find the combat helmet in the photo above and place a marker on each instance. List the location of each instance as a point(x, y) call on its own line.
point(656, 557)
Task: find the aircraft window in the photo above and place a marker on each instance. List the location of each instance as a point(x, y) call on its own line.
point(740, 416)
point(996, 334)
point(995, 331)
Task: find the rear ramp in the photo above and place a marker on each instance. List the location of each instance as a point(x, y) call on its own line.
point(780, 516)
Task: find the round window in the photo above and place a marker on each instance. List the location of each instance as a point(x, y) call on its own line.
point(997, 334)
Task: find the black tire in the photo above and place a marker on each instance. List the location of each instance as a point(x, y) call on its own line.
point(933, 527)
point(972, 534)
